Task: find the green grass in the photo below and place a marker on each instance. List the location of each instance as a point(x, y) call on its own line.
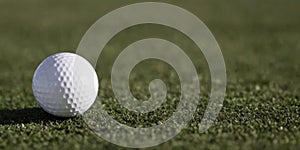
point(259, 41)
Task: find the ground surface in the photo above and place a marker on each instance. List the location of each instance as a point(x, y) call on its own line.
point(259, 41)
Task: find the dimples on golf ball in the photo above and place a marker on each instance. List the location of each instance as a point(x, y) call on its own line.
point(65, 84)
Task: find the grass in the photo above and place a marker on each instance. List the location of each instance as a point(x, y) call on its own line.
point(259, 41)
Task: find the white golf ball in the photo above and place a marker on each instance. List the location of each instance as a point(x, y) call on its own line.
point(65, 84)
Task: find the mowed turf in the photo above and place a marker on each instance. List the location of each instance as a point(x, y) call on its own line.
point(259, 41)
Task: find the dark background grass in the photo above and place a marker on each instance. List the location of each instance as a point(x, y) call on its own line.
point(259, 41)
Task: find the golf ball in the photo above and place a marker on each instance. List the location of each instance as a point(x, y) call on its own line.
point(65, 84)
